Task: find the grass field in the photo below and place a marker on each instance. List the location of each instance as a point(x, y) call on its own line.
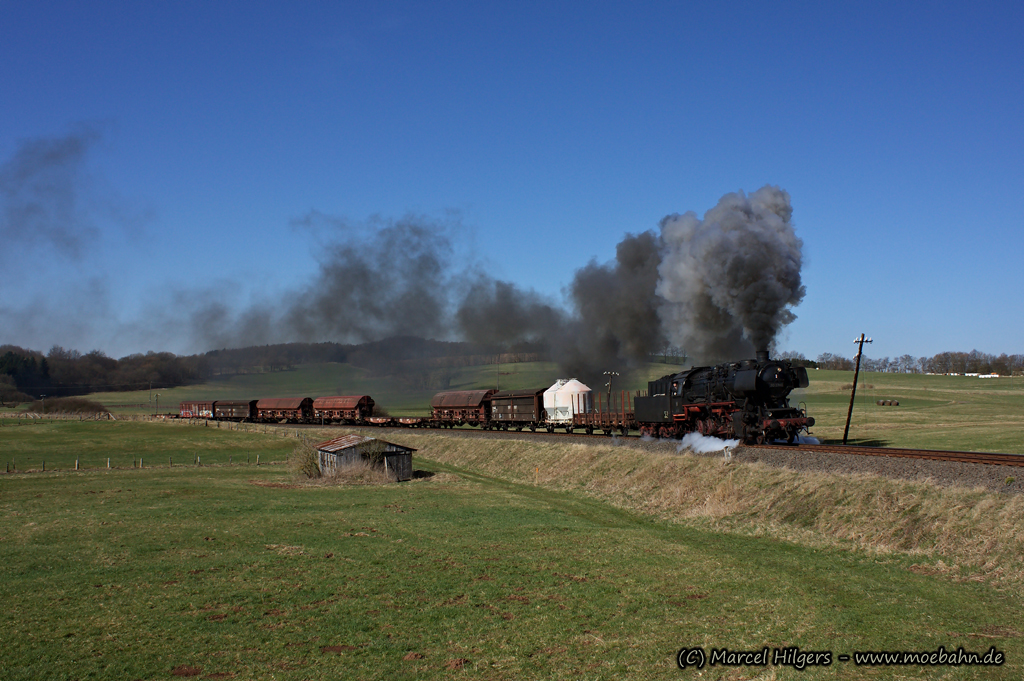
point(238, 572)
point(935, 412)
point(28, 444)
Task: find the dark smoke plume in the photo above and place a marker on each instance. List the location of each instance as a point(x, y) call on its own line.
point(395, 283)
point(375, 280)
point(720, 288)
point(729, 280)
point(498, 313)
point(43, 195)
point(615, 310)
point(612, 323)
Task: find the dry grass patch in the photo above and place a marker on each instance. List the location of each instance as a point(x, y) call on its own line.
point(967, 533)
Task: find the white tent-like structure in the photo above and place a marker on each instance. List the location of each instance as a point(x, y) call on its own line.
point(564, 398)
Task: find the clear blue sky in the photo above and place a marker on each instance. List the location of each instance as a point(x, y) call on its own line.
point(551, 128)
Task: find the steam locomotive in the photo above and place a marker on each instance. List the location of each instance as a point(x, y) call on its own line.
point(747, 400)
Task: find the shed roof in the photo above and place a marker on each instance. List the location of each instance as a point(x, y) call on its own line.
point(349, 441)
point(341, 402)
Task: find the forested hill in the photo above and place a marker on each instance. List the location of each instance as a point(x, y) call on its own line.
point(62, 372)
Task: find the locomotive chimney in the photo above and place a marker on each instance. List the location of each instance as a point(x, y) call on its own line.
point(762, 356)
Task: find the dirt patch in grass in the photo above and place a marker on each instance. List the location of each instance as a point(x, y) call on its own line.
point(338, 649)
point(276, 485)
point(186, 670)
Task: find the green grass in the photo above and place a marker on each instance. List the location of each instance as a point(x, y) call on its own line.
point(27, 444)
point(235, 570)
point(935, 412)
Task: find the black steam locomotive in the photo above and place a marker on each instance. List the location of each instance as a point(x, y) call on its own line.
point(747, 400)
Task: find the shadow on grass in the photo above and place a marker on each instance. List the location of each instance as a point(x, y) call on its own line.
point(857, 442)
point(418, 475)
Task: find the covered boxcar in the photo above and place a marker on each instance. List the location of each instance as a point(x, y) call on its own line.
point(518, 409)
point(343, 409)
point(291, 409)
point(195, 410)
point(459, 407)
point(235, 410)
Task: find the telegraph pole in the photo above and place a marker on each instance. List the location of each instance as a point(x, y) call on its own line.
point(610, 375)
point(856, 372)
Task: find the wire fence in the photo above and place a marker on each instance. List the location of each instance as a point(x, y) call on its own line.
point(64, 463)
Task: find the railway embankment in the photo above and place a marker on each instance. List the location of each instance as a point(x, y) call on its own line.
point(963, 531)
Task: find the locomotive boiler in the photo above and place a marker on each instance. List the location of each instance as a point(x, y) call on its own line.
point(746, 400)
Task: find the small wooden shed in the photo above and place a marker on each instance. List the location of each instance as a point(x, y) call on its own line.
point(346, 450)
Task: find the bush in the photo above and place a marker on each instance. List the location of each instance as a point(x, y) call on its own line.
point(862, 386)
point(304, 460)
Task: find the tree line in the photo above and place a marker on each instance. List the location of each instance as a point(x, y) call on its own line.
point(973, 362)
point(27, 374)
point(61, 372)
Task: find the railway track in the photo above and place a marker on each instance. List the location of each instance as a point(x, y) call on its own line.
point(987, 458)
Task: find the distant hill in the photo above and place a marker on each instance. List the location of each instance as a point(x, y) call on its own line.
point(382, 357)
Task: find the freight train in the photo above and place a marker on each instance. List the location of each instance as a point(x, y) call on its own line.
point(746, 400)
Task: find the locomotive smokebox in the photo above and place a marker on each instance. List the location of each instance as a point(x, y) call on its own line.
point(762, 356)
